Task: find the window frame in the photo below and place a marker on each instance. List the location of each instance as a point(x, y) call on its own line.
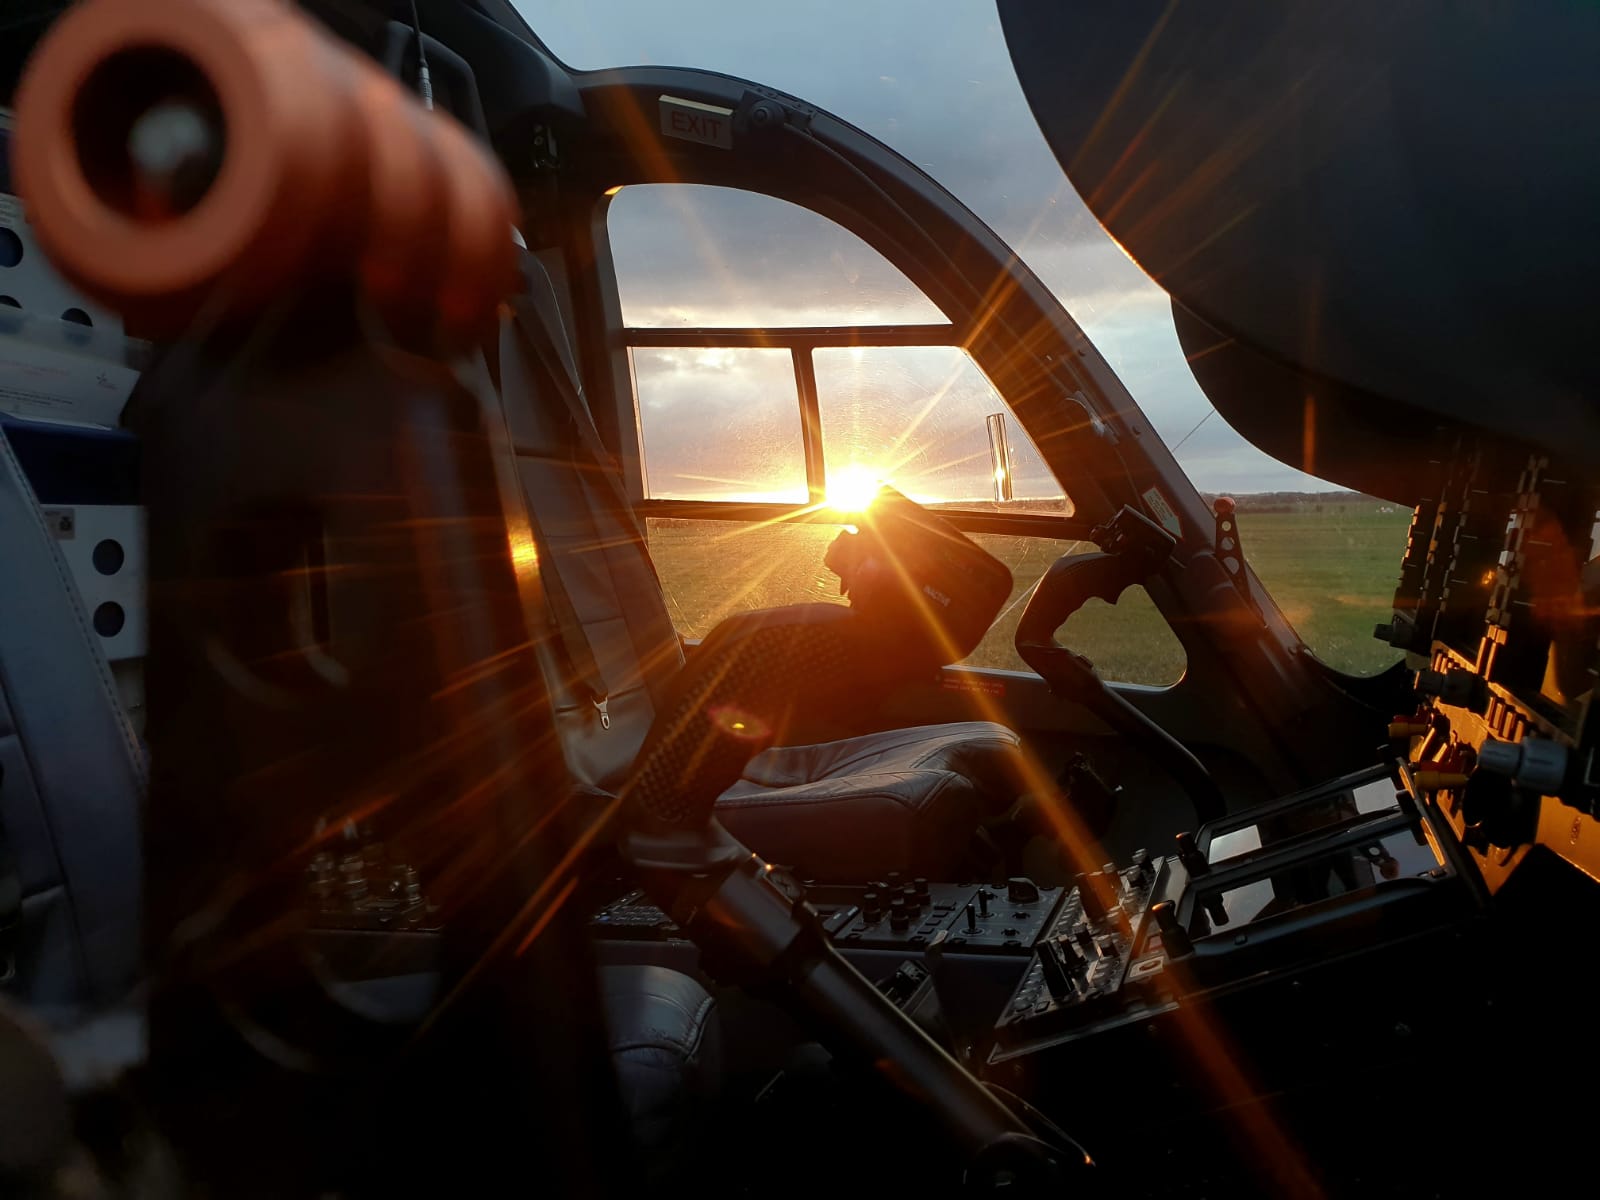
point(801, 342)
point(1052, 379)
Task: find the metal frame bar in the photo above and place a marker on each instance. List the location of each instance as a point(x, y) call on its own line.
point(968, 520)
point(805, 380)
point(799, 337)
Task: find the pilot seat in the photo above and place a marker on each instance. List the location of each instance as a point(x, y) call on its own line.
point(910, 800)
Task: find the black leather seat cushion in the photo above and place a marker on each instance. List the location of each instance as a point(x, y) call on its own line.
point(901, 800)
point(666, 1048)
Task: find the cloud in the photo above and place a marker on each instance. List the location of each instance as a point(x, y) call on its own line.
point(939, 88)
point(714, 256)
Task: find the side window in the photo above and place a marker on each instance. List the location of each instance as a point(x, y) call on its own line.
point(927, 420)
point(1329, 559)
point(782, 369)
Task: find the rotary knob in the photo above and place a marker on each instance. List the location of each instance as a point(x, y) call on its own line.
point(353, 877)
point(899, 918)
point(871, 907)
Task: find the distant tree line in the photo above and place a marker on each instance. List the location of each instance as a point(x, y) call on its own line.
point(1292, 502)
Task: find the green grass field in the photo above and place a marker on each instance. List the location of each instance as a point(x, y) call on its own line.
point(1332, 572)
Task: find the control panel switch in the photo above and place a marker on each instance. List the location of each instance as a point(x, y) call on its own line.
point(1022, 890)
point(1056, 976)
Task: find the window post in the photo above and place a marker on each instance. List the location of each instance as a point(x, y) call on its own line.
point(805, 378)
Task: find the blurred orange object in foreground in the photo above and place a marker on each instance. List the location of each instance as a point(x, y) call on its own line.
point(196, 159)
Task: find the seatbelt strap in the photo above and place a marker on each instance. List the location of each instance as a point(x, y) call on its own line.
point(581, 661)
point(582, 666)
point(10, 900)
point(535, 327)
point(537, 321)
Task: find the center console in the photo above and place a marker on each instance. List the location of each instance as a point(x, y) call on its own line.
point(1024, 970)
point(973, 938)
point(1315, 972)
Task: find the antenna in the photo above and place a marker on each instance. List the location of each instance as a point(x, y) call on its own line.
point(424, 77)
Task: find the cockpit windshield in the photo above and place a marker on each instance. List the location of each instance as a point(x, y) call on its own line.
point(943, 93)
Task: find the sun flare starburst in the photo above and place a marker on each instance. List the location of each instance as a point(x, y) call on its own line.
point(852, 489)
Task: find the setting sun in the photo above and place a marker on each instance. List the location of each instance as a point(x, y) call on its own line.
point(853, 488)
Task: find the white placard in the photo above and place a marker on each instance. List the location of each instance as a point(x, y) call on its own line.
point(47, 384)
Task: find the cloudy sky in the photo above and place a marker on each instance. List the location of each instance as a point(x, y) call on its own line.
point(933, 80)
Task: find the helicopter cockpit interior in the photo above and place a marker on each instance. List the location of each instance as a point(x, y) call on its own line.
point(381, 812)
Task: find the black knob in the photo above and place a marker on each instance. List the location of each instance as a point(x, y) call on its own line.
point(353, 876)
point(871, 906)
point(899, 918)
point(972, 919)
point(921, 886)
point(894, 881)
point(1189, 855)
point(913, 901)
point(1094, 905)
point(322, 872)
point(1022, 890)
point(1143, 869)
point(1085, 938)
point(984, 896)
point(1173, 935)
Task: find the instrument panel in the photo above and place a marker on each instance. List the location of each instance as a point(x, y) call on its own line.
point(1499, 605)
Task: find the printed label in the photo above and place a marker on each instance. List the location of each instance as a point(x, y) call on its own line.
point(1162, 512)
point(974, 684)
point(695, 122)
point(62, 522)
point(45, 383)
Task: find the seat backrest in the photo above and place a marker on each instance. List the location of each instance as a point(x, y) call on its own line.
point(74, 777)
point(591, 547)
